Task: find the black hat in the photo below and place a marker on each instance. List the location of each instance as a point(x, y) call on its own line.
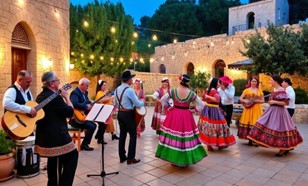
point(126, 76)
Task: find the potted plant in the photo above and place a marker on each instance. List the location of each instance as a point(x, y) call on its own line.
point(7, 159)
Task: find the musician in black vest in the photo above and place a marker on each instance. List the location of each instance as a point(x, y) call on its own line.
point(18, 94)
point(52, 138)
point(125, 100)
point(80, 100)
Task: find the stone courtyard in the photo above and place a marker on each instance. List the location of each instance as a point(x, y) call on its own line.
point(238, 165)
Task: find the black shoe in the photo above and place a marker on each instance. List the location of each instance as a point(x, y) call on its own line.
point(133, 161)
point(282, 154)
point(101, 141)
point(86, 148)
point(114, 137)
point(123, 160)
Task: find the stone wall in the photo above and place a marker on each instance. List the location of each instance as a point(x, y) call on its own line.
point(47, 26)
point(204, 52)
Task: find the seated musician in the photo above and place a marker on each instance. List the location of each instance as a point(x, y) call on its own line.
point(82, 104)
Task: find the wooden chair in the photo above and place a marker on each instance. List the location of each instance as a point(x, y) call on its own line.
point(76, 135)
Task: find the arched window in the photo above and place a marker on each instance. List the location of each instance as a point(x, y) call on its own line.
point(190, 69)
point(251, 20)
point(162, 69)
point(220, 68)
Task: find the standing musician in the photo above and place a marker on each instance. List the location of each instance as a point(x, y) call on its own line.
point(18, 94)
point(52, 138)
point(81, 102)
point(125, 100)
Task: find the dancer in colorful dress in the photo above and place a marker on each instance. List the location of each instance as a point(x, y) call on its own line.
point(160, 112)
point(252, 99)
point(212, 124)
point(141, 96)
point(275, 128)
point(179, 141)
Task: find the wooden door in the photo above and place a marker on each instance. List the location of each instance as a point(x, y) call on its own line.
point(19, 62)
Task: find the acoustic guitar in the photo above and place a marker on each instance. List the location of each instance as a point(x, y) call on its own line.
point(251, 101)
point(80, 115)
point(19, 126)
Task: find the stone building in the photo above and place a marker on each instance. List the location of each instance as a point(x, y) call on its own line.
point(257, 15)
point(34, 35)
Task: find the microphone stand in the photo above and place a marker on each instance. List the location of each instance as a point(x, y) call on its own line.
point(103, 173)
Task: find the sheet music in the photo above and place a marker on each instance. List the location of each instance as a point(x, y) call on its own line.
point(100, 112)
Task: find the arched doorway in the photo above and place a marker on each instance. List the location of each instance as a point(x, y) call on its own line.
point(162, 69)
point(20, 48)
point(190, 69)
point(219, 68)
point(251, 20)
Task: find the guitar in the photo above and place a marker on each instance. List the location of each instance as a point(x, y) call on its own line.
point(251, 101)
point(80, 115)
point(19, 126)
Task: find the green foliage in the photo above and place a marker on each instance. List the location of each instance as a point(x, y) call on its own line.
point(301, 96)
point(6, 144)
point(239, 85)
point(200, 80)
point(176, 17)
point(281, 52)
point(94, 48)
point(213, 14)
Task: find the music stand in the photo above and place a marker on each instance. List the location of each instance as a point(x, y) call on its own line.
point(100, 113)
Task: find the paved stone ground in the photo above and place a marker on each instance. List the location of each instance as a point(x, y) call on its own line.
point(238, 165)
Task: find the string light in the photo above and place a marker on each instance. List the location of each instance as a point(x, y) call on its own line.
point(154, 37)
point(85, 23)
point(112, 29)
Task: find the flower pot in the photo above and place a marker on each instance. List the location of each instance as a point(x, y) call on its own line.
point(7, 164)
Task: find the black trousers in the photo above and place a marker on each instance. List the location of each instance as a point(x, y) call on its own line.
point(228, 109)
point(90, 128)
point(61, 169)
point(127, 125)
point(100, 131)
point(291, 111)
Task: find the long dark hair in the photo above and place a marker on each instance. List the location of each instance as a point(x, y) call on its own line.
point(277, 78)
point(99, 85)
point(213, 84)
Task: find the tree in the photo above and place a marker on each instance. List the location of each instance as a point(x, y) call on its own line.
point(281, 52)
point(213, 14)
point(200, 81)
point(298, 11)
point(94, 48)
point(175, 17)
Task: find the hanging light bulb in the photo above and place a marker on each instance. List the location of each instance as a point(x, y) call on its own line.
point(175, 41)
point(85, 23)
point(112, 29)
point(135, 34)
point(154, 37)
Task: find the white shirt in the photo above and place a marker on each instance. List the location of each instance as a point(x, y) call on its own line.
point(227, 95)
point(9, 100)
point(291, 94)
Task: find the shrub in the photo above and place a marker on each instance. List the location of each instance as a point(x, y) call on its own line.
point(301, 96)
point(239, 85)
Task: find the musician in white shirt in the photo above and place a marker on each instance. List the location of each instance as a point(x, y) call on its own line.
point(18, 94)
point(226, 92)
point(287, 85)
